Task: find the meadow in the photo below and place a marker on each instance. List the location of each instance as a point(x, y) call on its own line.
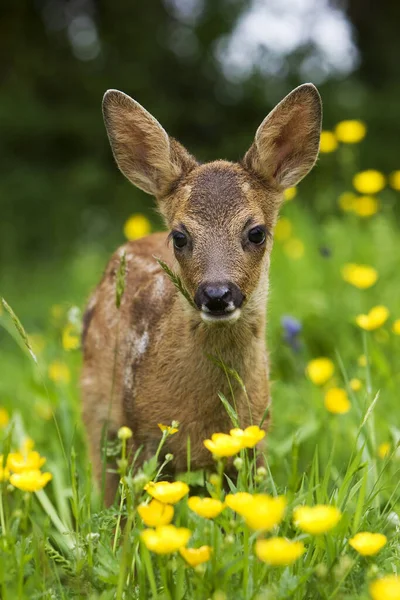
point(288, 528)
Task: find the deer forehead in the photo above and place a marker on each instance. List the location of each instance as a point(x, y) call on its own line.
point(219, 194)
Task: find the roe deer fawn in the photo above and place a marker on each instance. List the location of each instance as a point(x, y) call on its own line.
point(148, 362)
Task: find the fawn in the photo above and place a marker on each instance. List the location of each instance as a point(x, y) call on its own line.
point(148, 361)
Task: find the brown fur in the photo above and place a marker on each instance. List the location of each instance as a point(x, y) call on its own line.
point(148, 362)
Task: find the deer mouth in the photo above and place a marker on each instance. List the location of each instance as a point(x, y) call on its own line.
point(230, 314)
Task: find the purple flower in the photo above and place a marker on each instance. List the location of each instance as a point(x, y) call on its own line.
point(291, 330)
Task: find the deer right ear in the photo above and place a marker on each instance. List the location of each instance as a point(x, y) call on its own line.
point(286, 144)
point(144, 152)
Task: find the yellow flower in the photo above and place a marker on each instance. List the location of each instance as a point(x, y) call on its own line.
point(376, 317)
point(196, 556)
point(222, 444)
point(30, 481)
point(367, 543)
point(4, 418)
point(337, 401)
point(248, 437)
point(385, 588)
point(294, 248)
point(396, 327)
point(320, 370)
point(361, 276)
point(70, 338)
point(384, 450)
point(394, 180)
point(355, 384)
point(166, 491)
point(362, 360)
point(365, 206)
point(165, 539)
point(137, 226)
point(369, 182)
point(316, 519)
point(278, 551)
point(168, 428)
point(124, 433)
point(4, 471)
point(18, 462)
point(328, 142)
point(290, 193)
point(346, 201)
point(205, 507)
point(260, 511)
point(238, 501)
point(59, 372)
point(156, 513)
point(283, 229)
point(351, 131)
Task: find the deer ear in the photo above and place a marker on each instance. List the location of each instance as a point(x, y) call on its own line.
point(144, 152)
point(286, 144)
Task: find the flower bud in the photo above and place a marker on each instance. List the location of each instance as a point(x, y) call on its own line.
point(124, 433)
point(238, 463)
point(169, 457)
point(215, 479)
point(261, 471)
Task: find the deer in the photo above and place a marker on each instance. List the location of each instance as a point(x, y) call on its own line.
point(147, 361)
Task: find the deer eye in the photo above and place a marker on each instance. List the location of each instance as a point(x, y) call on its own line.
point(180, 239)
point(256, 235)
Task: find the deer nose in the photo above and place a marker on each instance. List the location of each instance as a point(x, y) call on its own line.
point(218, 298)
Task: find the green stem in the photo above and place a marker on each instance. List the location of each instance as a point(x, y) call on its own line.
point(121, 504)
point(164, 578)
point(2, 519)
point(246, 563)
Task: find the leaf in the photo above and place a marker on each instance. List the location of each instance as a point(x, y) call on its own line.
point(177, 281)
point(19, 327)
point(120, 280)
point(229, 409)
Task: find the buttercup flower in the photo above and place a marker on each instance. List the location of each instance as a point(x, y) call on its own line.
point(283, 229)
point(30, 481)
point(365, 206)
point(361, 276)
point(294, 248)
point(248, 437)
point(18, 462)
point(328, 142)
point(4, 417)
point(168, 428)
point(290, 193)
point(167, 492)
point(369, 182)
point(124, 433)
point(70, 338)
point(385, 588)
point(222, 444)
point(394, 180)
point(346, 201)
point(260, 511)
point(320, 370)
point(337, 401)
point(238, 501)
point(205, 507)
point(316, 519)
point(396, 327)
point(278, 551)
point(165, 539)
point(350, 131)
point(4, 471)
point(384, 450)
point(137, 226)
point(376, 317)
point(355, 384)
point(367, 543)
point(156, 513)
point(196, 556)
point(59, 372)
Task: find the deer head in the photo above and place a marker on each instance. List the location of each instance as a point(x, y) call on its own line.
point(221, 215)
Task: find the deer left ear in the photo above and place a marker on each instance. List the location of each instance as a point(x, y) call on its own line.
point(286, 144)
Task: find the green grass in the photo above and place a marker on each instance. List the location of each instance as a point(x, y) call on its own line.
point(62, 542)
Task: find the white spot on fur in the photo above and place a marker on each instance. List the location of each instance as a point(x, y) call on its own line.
point(142, 343)
point(245, 187)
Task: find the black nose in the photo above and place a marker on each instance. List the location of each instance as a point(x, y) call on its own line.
point(218, 298)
